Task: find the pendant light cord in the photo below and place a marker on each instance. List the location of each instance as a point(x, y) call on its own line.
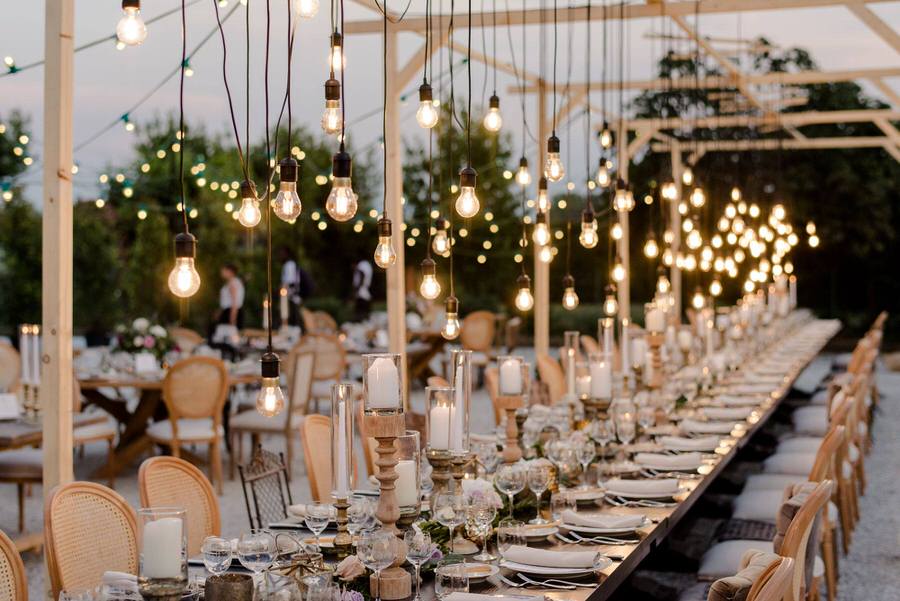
point(183, 138)
point(555, 36)
point(469, 99)
point(237, 136)
point(589, 201)
point(290, 53)
point(247, 87)
point(384, 87)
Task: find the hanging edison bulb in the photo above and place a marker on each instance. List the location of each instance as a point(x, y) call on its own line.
point(698, 198)
point(715, 287)
point(440, 242)
point(451, 319)
point(668, 236)
point(742, 208)
point(730, 211)
point(546, 254)
point(427, 115)
point(616, 232)
point(669, 191)
point(306, 9)
point(779, 212)
point(131, 29)
point(467, 203)
point(694, 239)
point(249, 213)
point(287, 205)
point(270, 400)
point(184, 281)
point(610, 304)
point(342, 200)
point(618, 272)
point(603, 177)
point(541, 232)
point(430, 288)
point(543, 201)
point(753, 211)
point(698, 301)
point(606, 137)
point(523, 176)
point(735, 194)
point(668, 257)
point(384, 252)
point(810, 228)
point(493, 120)
point(651, 248)
point(813, 241)
point(570, 297)
point(723, 224)
point(332, 117)
point(554, 169)
point(588, 237)
point(687, 176)
point(336, 58)
point(524, 299)
point(717, 241)
point(663, 286)
point(623, 199)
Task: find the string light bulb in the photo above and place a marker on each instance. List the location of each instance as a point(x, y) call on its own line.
point(810, 228)
point(735, 194)
point(131, 29)
point(524, 299)
point(545, 254)
point(813, 241)
point(669, 191)
point(287, 204)
point(779, 212)
point(306, 9)
point(651, 248)
point(623, 199)
point(554, 169)
point(336, 58)
point(610, 304)
point(698, 198)
point(570, 297)
point(332, 118)
point(663, 286)
point(523, 176)
point(603, 177)
point(342, 201)
point(698, 301)
point(687, 176)
point(606, 137)
point(541, 232)
point(451, 322)
point(440, 242)
point(618, 272)
point(467, 203)
point(270, 400)
point(616, 232)
point(588, 237)
point(384, 251)
point(427, 114)
point(430, 288)
point(184, 281)
point(493, 120)
point(249, 214)
point(715, 287)
point(543, 201)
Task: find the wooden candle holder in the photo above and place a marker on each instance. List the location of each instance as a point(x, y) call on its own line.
point(440, 470)
point(395, 582)
point(343, 542)
point(655, 340)
point(512, 452)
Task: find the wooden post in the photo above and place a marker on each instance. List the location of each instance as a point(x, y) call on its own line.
point(396, 275)
point(675, 224)
point(541, 269)
point(624, 290)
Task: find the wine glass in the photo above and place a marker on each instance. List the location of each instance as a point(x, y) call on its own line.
point(625, 426)
point(316, 519)
point(450, 577)
point(560, 502)
point(376, 551)
point(216, 554)
point(418, 549)
point(538, 481)
point(322, 589)
point(450, 511)
point(256, 551)
point(358, 514)
point(510, 533)
point(76, 594)
point(510, 480)
point(479, 518)
point(646, 415)
point(488, 456)
point(585, 453)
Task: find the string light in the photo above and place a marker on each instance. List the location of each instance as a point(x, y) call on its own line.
point(543, 201)
point(606, 137)
point(554, 169)
point(341, 203)
point(618, 272)
point(384, 251)
point(603, 176)
point(524, 299)
point(493, 120)
point(651, 248)
point(698, 301)
point(249, 214)
point(270, 400)
point(306, 9)
point(287, 205)
point(332, 118)
point(687, 176)
point(698, 198)
point(429, 288)
point(183, 281)
point(570, 297)
point(451, 327)
point(440, 242)
point(336, 59)
point(523, 176)
point(588, 237)
point(541, 232)
point(131, 29)
point(610, 304)
point(426, 115)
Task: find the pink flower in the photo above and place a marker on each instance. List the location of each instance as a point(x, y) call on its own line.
point(149, 342)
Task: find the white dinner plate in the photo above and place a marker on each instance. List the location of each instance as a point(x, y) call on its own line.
point(538, 532)
point(609, 531)
point(646, 495)
point(671, 468)
point(479, 572)
point(544, 571)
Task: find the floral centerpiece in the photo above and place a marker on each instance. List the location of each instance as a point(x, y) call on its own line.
point(144, 337)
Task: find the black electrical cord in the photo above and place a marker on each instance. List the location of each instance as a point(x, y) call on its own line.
point(182, 137)
point(234, 126)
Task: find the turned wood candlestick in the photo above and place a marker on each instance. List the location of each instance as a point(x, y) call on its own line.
point(512, 452)
point(655, 341)
point(440, 470)
point(343, 542)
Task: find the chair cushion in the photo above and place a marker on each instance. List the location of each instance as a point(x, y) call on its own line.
point(820, 397)
point(725, 558)
point(253, 420)
point(22, 464)
point(98, 431)
point(790, 463)
point(188, 429)
point(770, 482)
point(800, 444)
point(737, 587)
point(811, 420)
point(321, 389)
point(762, 505)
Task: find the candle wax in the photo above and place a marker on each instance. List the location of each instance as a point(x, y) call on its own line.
point(383, 385)
point(161, 548)
point(511, 378)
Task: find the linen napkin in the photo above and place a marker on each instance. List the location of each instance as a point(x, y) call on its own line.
point(748, 388)
point(680, 443)
point(684, 461)
point(690, 425)
point(727, 413)
point(601, 521)
point(459, 596)
point(298, 510)
point(640, 487)
point(547, 558)
point(121, 581)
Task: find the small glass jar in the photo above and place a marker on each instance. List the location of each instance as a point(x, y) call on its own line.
point(513, 375)
point(382, 384)
point(162, 541)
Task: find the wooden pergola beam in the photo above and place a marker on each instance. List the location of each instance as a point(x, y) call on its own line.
point(781, 119)
point(824, 143)
point(876, 24)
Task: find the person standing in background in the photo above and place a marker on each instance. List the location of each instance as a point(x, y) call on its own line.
point(231, 298)
point(362, 293)
point(291, 277)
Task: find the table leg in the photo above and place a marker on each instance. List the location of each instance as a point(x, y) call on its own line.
point(133, 441)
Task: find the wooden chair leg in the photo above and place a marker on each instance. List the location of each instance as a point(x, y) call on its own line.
point(861, 475)
point(828, 557)
point(20, 486)
point(215, 461)
point(846, 520)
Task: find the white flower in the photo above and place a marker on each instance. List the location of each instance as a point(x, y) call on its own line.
point(479, 488)
point(141, 324)
point(138, 341)
point(158, 331)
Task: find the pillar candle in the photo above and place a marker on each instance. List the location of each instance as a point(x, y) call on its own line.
point(342, 477)
point(648, 367)
point(685, 340)
point(570, 371)
point(601, 380)
point(439, 428)
point(709, 338)
point(626, 347)
point(458, 413)
point(639, 351)
point(383, 385)
point(655, 320)
point(608, 339)
point(25, 354)
point(511, 378)
point(283, 305)
point(161, 548)
point(407, 485)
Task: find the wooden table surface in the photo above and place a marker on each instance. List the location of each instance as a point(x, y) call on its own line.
point(21, 433)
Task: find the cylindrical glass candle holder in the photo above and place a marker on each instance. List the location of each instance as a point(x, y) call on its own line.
point(606, 335)
point(407, 487)
point(439, 407)
point(341, 440)
point(654, 318)
point(162, 541)
point(382, 384)
point(583, 380)
point(569, 358)
point(512, 375)
point(601, 377)
point(461, 378)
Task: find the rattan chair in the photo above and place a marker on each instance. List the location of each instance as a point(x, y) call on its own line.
point(173, 482)
point(10, 368)
point(88, 529)
point(194, 391)
point(301, 365)
point(476, 334)
point(186, 339)
point(13, 581)
point(492, 385)
point(317, 455)
point(552, 374)
point(331, 362)
point(264, 482)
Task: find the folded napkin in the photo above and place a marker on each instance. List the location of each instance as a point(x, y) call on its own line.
point(601, 521)
point(640, 487)
point(675, 462)
point(119, 580)
point(730, 413)
point(547, 558)
point(458, 596)
point(736, 401)
point(298, 510)
point(9, 406)
point(690, 425)
point(680, 443)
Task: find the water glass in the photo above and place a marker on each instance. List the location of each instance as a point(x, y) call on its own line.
point(256, 550)
point(646, 415)
point(316, 519)
point(358, 514)
point(450, 511)
point(419, 549)
point(376, 551)
point(559, 502)
point(216, 554)
point(510, 533)
point(450, 576)
point(625, 426)
point(538, 481)
point(76, 594)
point(585, 453)
point(479, 518)
point(510, 480)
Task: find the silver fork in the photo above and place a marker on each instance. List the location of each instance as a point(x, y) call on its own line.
point(557, 582)
point(513, 584)
point(620, 502)
point(605, 540)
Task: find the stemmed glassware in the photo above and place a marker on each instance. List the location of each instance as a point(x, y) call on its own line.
point(479, 518)
point(646, 415)
point(450, 577)
point(488, 456)
point(510, 480)
point(256, 551)
point(625, 426)
point(585, 453)
point(216, 554)
point(510, 533)
point(538, 481)
point(450, 511)
point(358, 515)
point(376, 551)
point(560, 502)
point(418, 549)
point(316, 519)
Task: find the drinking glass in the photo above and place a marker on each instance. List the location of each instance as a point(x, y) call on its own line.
point(418, 549)
point(510, 480)
point(538, 481)
point(316, 519)
point(625, 426)
point(358, 514)
point(585, 453)
point(256, 550)
point(76, 594)
point(322, 589)
point(450, 576)
point(488, 456)
point(376, 551)
point(559, 502)
point(646, 415)
point(510, 533)
point(450, 511)
point(479, 518)
point(216, 554)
